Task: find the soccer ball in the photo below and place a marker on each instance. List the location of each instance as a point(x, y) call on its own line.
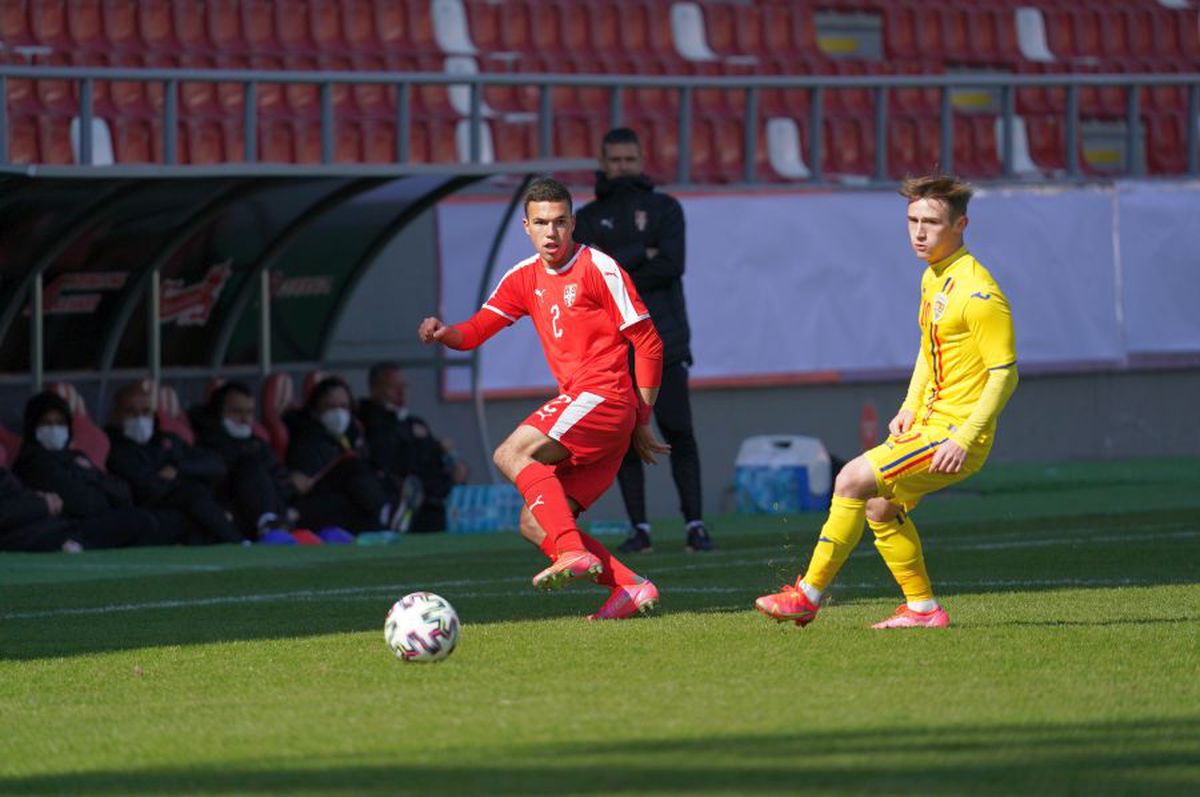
point(421, 627)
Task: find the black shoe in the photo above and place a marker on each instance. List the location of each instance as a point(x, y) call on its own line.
point(638, 541)
point(698, 539)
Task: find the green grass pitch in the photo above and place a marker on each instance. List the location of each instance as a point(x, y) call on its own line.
point(1072, 665)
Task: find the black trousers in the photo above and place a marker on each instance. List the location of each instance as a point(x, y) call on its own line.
point(116, 528)
point(250, 491)
point(350, 495)
point(205, 520)
point(673, 412)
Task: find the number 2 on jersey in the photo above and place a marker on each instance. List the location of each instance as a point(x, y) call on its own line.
point(554, 314)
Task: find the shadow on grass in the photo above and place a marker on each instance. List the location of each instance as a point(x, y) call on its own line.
point(1159, 757)
point(270, 602)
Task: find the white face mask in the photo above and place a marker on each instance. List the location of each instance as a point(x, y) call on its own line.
point(238, 431)
point(336, 421)
point(139, 429)
point(53, 438)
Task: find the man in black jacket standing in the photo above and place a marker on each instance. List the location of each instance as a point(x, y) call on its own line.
point(644, 232)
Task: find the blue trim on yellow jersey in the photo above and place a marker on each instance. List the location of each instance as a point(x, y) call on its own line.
point(909, 456)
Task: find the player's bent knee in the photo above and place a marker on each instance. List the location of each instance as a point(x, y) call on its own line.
point(881, 510)
point(855, 480)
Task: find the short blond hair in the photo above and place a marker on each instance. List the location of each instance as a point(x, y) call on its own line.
point(954, 192)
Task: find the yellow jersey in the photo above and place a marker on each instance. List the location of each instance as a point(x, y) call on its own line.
point(966, 331)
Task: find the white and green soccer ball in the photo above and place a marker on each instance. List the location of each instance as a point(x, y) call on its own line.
point(421, 627)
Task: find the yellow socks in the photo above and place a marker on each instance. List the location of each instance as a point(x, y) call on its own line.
point(900, 548)
point(841, 532)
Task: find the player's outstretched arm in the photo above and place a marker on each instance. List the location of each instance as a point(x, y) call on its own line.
point(461, 337)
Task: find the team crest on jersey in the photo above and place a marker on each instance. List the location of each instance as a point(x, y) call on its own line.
point(569, 293)
point(939, 306)
point(640, 219)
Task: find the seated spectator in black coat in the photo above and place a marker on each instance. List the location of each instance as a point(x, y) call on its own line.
point(404, 448)
point(338, 485)
point(80, 503)
point(256, 487)
point(164, 471)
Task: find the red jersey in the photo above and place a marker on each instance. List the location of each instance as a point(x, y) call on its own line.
point(581, 311)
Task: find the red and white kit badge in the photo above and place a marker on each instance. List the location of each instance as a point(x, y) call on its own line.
point(569, 293)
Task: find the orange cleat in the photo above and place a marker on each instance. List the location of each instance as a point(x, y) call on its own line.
point(788, 604)
point(907, 618)
point(628, 601)
point(568, 567)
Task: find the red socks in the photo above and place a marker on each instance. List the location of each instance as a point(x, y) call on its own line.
point(543, 494)
point(615, 574)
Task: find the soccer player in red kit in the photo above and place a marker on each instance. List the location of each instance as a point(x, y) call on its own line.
point(567, 452)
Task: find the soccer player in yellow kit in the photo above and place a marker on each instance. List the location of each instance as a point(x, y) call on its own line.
point(965, 372)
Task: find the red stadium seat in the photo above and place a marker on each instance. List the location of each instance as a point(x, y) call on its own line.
point(1166, 143)
point(190, 24)
point(1047, 141)
point(54, 134)
point(120, 22)
point(10, 444)
point(48, 24)
point(23, 140)
point(278, 396)
point(258, 27)
point(134, 141)
point(224, 25)
point(14, 25)
point(291, 32)
point(325, 27)
point(86, 436)
point(84, 25)
point(419, 15)
point(155, 25)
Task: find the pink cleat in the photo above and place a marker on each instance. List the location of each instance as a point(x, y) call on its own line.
point(628, 601)
point(790, 604)
point(907, 618)
point(568, 567)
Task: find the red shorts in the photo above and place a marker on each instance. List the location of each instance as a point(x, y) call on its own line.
point(596, 430)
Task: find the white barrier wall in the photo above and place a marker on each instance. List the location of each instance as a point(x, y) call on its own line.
point(795, 284)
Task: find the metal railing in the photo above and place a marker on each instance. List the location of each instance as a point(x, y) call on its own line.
point(617, 85)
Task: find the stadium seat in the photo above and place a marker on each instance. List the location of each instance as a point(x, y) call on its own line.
point(23, 140)
point(311, 379)
point(419, 16)
point(10, 444)
point(1032, 38)
point(291, 27)
point(223, 22)
point(259, 19)
point(168, 411)
point(48, 23)
point(278, 396)
point(120, 26)
point(54, 140)
point(14, 25)
point(451, 31)
point(786, 149)
point(1166, 145)
point(155, 26)
point(325, 27)
point(189, 30)
point(86, 436)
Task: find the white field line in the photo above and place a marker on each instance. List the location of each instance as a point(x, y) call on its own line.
point(715, 563)
point(350, 593)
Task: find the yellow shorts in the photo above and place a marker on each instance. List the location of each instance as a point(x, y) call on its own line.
point(901, 465)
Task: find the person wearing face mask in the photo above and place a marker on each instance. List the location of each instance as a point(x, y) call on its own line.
point(643, 230)
point(329, 464)
point(164, 471)
point(256, 487)
point(405, 449)
point(63, 501)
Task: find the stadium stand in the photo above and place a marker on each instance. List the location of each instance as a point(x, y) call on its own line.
point(609, 37)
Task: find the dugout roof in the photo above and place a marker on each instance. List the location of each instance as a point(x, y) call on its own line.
point(99, 237)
